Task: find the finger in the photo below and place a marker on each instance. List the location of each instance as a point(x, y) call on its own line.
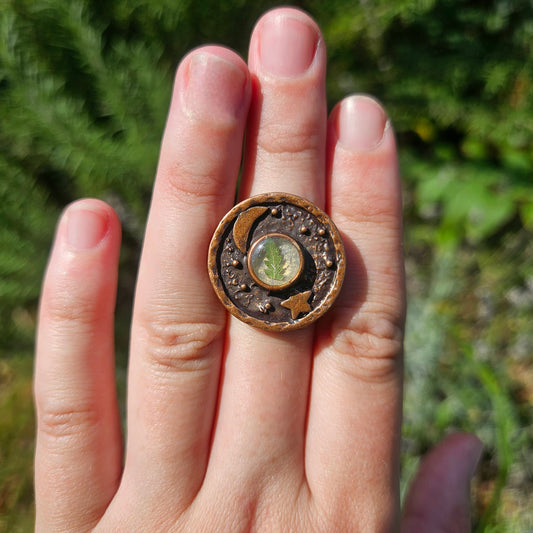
point(266, 380)
point(178, 323)
point(78, 428)
point(354, 417)
point(439, 498)
point(285, 148)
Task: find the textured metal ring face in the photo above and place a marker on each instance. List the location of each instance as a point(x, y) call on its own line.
point(277, 262)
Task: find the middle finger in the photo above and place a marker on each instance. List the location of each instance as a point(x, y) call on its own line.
point(266, 381)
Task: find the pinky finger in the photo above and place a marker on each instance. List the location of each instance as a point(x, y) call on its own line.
point(79, 445)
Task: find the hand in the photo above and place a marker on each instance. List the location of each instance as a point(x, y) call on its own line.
point(230, 428)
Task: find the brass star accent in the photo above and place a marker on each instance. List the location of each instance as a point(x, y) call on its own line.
point(298, 304)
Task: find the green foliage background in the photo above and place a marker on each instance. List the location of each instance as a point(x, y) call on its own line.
point(84, 89)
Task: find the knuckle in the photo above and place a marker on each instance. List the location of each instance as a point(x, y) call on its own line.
point(286, 140)
point(370, 347)
point(60, 421)
point(369, 218)
point(172, 346)
point(71, 307)
point(189, 183)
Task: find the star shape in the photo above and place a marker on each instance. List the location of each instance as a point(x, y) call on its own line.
point(298, 304)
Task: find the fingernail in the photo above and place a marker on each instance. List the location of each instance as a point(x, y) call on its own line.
point(287, 45)
point(215, 87)
point(361, 123)
point(85, 228)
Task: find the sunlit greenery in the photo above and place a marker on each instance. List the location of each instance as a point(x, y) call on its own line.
point(84, 89)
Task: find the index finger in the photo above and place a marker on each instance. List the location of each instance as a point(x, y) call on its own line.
point(178, 325)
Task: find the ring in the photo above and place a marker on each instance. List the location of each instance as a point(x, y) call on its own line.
point(277, 262)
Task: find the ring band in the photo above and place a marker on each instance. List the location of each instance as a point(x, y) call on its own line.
point(277, 262)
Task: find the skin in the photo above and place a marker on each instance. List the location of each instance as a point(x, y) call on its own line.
point(230, 428)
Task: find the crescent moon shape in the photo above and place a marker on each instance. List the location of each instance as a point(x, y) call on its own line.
point(242, 226)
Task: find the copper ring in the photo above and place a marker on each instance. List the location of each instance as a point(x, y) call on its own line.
point(276, 261)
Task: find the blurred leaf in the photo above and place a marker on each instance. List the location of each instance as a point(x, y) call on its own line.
point(488, 213)
point(526, 212)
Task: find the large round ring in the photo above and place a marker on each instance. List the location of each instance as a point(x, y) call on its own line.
point(277, 262)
